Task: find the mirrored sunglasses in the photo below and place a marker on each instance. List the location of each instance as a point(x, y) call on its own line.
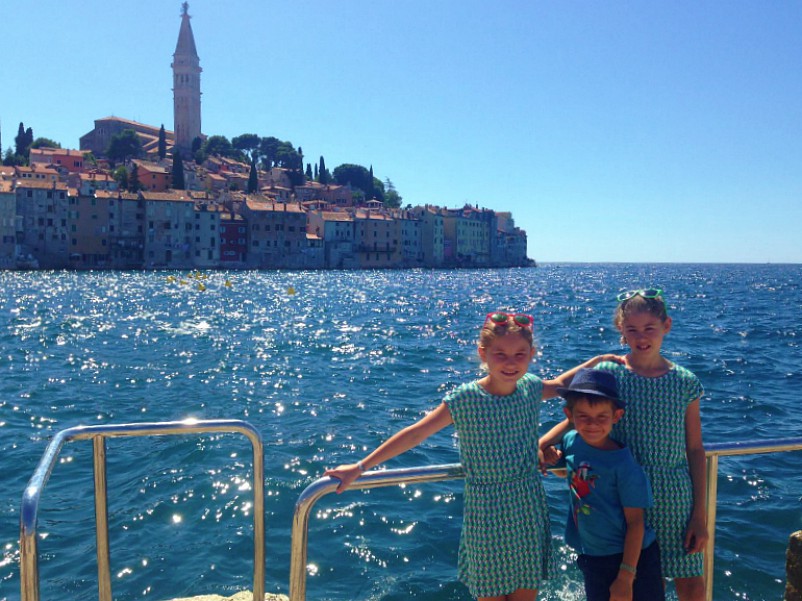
point(519, 319)
point(644, 292)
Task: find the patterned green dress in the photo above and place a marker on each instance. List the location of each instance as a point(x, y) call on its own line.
point(506, 537)
point(653, 427)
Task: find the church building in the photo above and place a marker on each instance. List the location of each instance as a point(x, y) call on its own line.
point(186, 104)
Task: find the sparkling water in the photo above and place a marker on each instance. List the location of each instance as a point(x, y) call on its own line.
point(327, 365)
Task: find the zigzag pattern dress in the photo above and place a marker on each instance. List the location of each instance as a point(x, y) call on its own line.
point(653, 427)
point(506, 537)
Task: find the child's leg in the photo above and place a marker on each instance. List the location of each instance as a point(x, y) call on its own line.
point(599, 572)
point(690, 589)
point(649, 584)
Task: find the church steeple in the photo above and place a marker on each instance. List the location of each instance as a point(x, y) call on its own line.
point(186, 86)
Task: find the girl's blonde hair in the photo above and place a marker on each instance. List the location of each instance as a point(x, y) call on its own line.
point(491, 331)
point(638, 304)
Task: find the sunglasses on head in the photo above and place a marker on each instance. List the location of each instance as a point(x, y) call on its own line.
point(519, 319)
point(644, 292)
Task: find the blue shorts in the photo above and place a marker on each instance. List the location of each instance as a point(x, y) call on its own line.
point(600, 571)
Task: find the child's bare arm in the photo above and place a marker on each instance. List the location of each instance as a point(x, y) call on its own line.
point(621, 589)
point(401, 441)
point(564, 379)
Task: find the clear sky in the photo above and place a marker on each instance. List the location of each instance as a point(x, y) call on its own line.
point(614, 131)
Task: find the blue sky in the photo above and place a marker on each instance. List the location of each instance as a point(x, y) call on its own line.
point(614, 131)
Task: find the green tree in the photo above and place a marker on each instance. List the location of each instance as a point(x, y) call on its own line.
point(22, 144)
point(124, 146)
point(268, 147)
point(217, 146)
point(45, 143)
point(120, 175)
point(178, 171)
point(253, 177)
point(391, 196)
point(356, 175)
point(9, 157)
point(247, 143)
point(323, 175)
point(309, 171)
point(378, 189)
point(89, 157)
point(288, 157)
point(162, 142)
point(19, 139)
point(134, 185)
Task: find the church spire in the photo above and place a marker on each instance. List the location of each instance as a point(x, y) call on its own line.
point(186, 85)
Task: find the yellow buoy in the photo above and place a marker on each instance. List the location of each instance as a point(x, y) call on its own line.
point(290, 290)
point(228, 284)
point(201, 286)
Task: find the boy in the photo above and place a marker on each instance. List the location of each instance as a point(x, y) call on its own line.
point(618, 554)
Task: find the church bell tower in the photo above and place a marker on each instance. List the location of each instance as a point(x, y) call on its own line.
point(186, 87)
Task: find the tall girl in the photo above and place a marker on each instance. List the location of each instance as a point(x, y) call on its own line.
point(663, 429)
point(505, 545)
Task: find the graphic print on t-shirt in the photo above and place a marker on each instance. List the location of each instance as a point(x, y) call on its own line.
point(581, 484)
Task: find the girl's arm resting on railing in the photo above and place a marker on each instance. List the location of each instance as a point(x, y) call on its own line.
point(401, 441)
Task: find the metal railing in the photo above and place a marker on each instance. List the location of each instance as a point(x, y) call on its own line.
point(437, 473)
point(29, 555)
point(326, 485)
point(731, 449)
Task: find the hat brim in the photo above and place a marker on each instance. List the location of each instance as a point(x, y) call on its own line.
point(593, 392)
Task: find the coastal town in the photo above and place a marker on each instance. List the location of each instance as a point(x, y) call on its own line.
point(175, 200)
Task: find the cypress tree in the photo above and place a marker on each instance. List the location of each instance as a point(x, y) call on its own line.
point(253, 177)
point(309, 171)
point(162, 142)
point(323, 175)
point(178, 171)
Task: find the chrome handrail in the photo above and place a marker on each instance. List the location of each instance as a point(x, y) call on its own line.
point(326, 485)
point(730, 449)
point(29, 555)
point(374, 479)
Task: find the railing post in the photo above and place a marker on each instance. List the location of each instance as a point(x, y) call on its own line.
point(101, 519)
point(712, 494)
point(29, 554)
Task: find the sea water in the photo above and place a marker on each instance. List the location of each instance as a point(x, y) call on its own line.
point(326, 365)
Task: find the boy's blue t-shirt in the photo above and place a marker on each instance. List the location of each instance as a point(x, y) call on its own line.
point(601, 484)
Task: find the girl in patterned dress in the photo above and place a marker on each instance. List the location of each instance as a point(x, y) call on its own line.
point(663, 429)
point(505, 545)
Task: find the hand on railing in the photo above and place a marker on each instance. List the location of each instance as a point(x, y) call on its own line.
point(345, 474)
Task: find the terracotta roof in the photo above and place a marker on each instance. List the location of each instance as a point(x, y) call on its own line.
point(143, 125)
point(116, 194)
point(150, 167)
point(44, 151)
point(257, 204)
point(41, 185)
point(336, 216)
point(96, 177)
point(6, 186)
point(167, 196)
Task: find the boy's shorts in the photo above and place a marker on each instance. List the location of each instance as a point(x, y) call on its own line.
point(600, 571)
